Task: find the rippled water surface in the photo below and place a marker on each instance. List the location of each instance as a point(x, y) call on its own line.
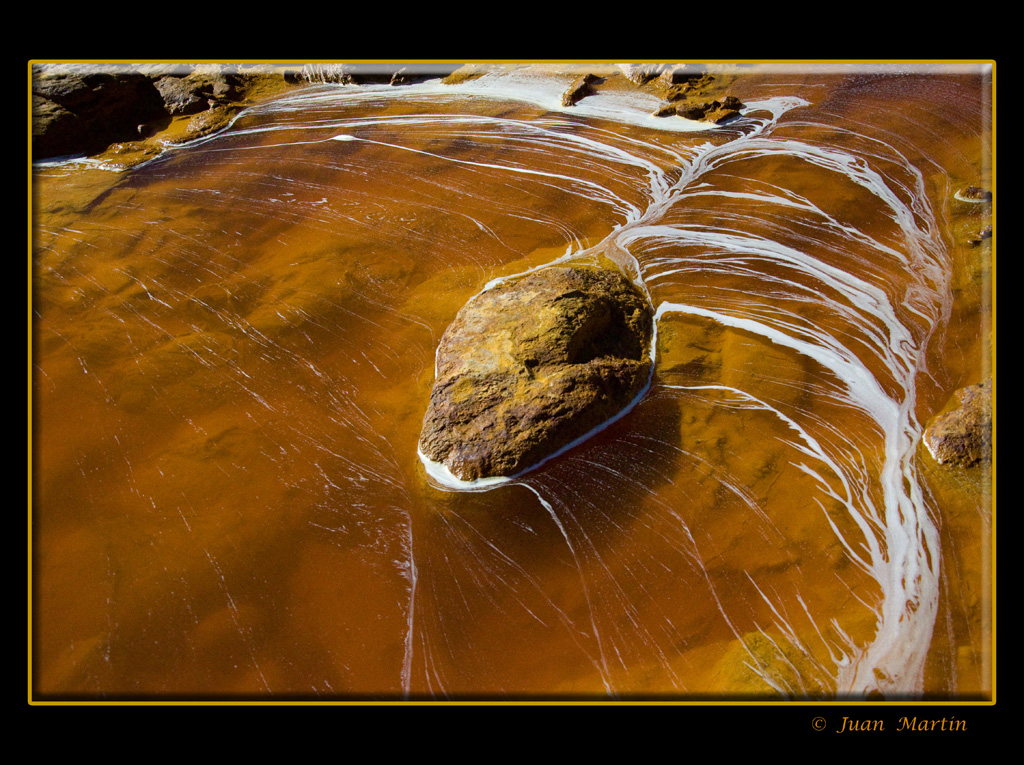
point(233, 349)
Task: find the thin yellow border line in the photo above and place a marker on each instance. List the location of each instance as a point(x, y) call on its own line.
point(538, 702)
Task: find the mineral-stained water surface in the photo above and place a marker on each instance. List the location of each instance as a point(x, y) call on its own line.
point(233, 348)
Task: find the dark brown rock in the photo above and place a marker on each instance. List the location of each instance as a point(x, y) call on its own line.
point(710, 111)
point(184, 95)
point(580, 88)
point(83, 113)
point(685, 83)
point(54, 129)
point(720, 111)
point(963, 436)
point(200, 90)
point(693, 111)
point(84, 109)
point(206, 122)
point(683, 75)
point(533, 364)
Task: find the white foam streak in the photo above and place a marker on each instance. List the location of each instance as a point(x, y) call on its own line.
point(883, 332)
point(893, 534)
point(602, 664)
point(894, 662)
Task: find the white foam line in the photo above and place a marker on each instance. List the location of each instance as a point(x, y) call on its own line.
point(541, 89)
point(603, 667)
point(603, 194)
point(407, 654)
point(858, 380)
point(813, 449)
point(903, 637)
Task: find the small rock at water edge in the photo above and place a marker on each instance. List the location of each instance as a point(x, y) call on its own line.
point(963, 436)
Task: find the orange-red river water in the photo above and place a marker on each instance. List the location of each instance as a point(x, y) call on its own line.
point(233, 347)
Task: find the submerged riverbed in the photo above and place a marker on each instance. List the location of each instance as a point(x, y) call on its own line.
point(233, 349)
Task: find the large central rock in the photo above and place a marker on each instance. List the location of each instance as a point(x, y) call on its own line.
point(533, 364)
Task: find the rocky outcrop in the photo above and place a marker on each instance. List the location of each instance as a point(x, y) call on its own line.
point(706, 111)
point(580, 88)
point(963, 436)
point(84, 112)
point(200, 91)
point(531, 365)
point(695, 95)
point(683, 81)
point(84, 109)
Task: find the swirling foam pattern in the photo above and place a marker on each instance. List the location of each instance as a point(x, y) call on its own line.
point(234, 350)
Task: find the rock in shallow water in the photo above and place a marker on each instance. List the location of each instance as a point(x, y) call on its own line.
point(533, 364)
point(963, 436)
point(580, 88)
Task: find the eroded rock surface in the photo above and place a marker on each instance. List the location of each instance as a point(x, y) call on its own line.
point(708, 111)
point(580, 88)
point(84, 112)
point(85, 109)
point(963, 436)
point(531, 365)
